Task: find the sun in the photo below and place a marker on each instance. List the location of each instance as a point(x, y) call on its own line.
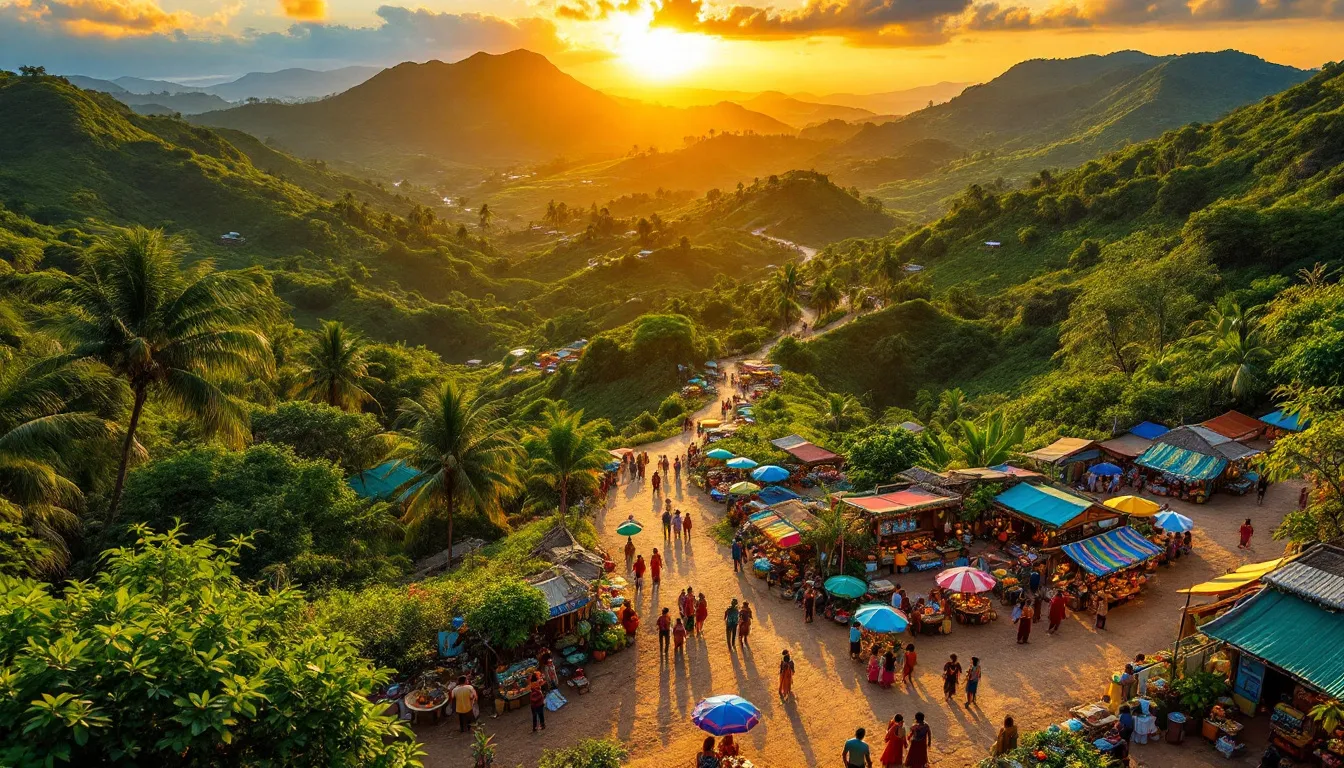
point(654, 53)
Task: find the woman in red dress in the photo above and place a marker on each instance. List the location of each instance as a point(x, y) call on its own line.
point(894, 754)
point(908, 671)
point(920, 740)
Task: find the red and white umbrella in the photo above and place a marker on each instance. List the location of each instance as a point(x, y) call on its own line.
point(965, 579)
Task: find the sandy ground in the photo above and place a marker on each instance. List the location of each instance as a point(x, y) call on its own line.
point(645, 700)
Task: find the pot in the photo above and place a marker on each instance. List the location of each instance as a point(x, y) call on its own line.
point(599, 655)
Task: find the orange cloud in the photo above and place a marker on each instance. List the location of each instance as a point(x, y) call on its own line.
point(862, 22)
point(114, 18)
point(305, 10)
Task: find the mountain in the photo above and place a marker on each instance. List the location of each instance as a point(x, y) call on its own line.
point(141, 85)
point(800, 206)
point(891, 102)
point(292, 84)
point(801, 114)
point(485, 109)
point(94, 84)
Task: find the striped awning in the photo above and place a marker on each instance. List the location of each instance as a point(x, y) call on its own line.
point(1111, 551)
point(780, 532)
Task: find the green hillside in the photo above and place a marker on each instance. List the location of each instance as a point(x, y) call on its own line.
point(801, 206)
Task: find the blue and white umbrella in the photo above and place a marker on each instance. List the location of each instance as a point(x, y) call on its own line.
point(882, 619)
point(1174, 522)
point(1105, 469)
point(721, 715)
point(741, 462)
point(769, 474)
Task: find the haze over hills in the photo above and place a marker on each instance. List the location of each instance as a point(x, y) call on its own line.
point(801, 114)
point(486, 109)
point(285, 85)
point(891, 102)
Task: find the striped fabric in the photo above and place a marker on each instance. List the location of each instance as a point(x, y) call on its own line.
point(1111, 551)
point(779, 531)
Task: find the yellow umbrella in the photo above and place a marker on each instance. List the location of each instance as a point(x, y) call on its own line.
point(709, 423)
point(1136, 506)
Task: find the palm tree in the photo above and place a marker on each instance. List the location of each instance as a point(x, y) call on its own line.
point(991, 444)
point(787, 281)
point(566, 454)
point(833, 530)
point(335, 369)
point(936, 449)
point(462, 454)
point(39, 429)
point(1239, 360)
point(825, 296)
point(1224, 318)
point(839, 411)
point(952, 408)
point(167, 330)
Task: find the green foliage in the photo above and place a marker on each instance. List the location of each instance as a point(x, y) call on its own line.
point(507, 611)
point(352, 441)
point(589, 753)
point(166, 656)
point(876, 453)
point(1052, 749)
point(979, 500)
point(1199, 692)
point(20, 553)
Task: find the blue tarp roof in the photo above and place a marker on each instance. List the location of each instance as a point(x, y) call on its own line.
point(1300, 638)
point(1181, 463)
point(773, 494)
point(382, 481)
point(1148, 430)
point(1043, 503)
point(1290, 421)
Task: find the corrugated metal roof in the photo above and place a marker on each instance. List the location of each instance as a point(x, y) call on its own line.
point(1300, 638)
point(1043, 503)
point(1317, 576)
point(1182, 462)
point(1235, 425)
point(1128, 445)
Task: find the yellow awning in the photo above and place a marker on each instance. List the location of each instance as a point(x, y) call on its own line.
point(1234, 580)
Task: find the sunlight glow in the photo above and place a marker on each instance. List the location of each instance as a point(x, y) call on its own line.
point(657, 53)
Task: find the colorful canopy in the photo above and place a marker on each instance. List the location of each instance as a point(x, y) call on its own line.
point(899, 502)
point(1105, 469)
point(774, 494)
point(719, 453)
point(965, 579)
point(629, 528)
point(1043, 503)
point(1180, 462)
point(846, 586)
point(1174, 522)
point(1237, 579)
point(1148, 430)
point(743, 488)
point(773, 526)
point(1280, 419)
point(1061, 449)
point(720, 715)
point(1136, 506)
point(741, 462)
point(769, 474)
point(1111, 551)
point(883, 619)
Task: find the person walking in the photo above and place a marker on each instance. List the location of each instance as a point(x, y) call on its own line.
point(737, 555)
point(1057, 609)
point(667, 521)
point(744, 618)
point(1007, 739)
point(856, 753)
point(664, 630)
point(537, 700)
point(875, 664)
point(951, 674)
point(855, 641)
point(655, 569)
point(688, 617)
point(1261, 486)
point(640, 567)
point(921, 738)
point(1024, 624)
point(1103, 608)
point(973, 680)
point(785, 676)
point(676, 524)
point(1246, 531)
point(676, 469)
point(888, 669)
point(894, 753)
point(679, 636)
point(464, 703)
point(701, 613)
point(657, 483)
point(730, 618)
point(686, 527)
point(809, 605)
point(908, 668)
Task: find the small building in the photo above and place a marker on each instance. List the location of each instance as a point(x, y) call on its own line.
point(806, 453)
point(1235, 425)
point(232, 238)
point(1054, 510)
point(1066, 458)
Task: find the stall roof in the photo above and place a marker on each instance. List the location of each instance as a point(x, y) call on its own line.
point(1292, 422)
point(776, 528)
point(1129, 445)
point(1300, 638)
point(1235, 425)
point(1235, 580)
point(910, 426)
point(1181, 462)
point(899, 501)
point(1061, 449)
point(790, 441)
point(1318, 576)
point(1114, 550)
point(774, 494)
point(804, 451)
point(381, 482)
point(1149, 430)
point(1009, 469)
point(796, 512)
point(1205, 441)
point(565, 592)
point(1043, 503)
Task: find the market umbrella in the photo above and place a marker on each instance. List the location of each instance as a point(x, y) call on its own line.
point(743, 488)
point(612, 466)
point(769, 474)
point(965, 579)
point(709, 423)
point(1175, 522)
point(846, 586)
point(1105, 469)
point(883, 619)
point(1136, 506)
point(719, 453)
point(720, 715)
point(629, 528)
point(741, 462)
point(762, 563)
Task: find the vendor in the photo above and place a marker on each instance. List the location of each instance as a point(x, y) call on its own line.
point(900, 561)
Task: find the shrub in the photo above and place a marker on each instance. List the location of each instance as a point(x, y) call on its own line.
point(1087, 254)
point(1029, 235)
point(589, 753)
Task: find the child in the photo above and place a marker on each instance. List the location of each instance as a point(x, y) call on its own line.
point(679, 636)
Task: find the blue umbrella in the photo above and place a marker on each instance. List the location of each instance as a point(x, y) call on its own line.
point(769, 474)
point(846, 586)
point(883, 619)
point(741, 462)
point(719, 453)
point(1105, 469)
point(1174, 522)
point(762, 564)
point(720, 715)
point(612, 466)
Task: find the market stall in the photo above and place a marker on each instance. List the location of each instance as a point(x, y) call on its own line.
point(964, 587)
point(774, 540)
point(1065, 458)
point(907, 522)
point(1042, 517)
point(1235, 425)
point(1113, 564)
point(806, 453)
point(1191, 462)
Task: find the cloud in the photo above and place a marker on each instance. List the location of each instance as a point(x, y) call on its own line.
point(306, 10)
point(594, 10)
point(170, 47)
point(1136, 13)
point(866, 22)
point(109, 18)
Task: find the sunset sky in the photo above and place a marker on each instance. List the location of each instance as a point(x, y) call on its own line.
point(819, 45)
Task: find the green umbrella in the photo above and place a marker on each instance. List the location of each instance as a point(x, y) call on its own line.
point(846, 586)
point(629, 528)
point(719, 453)
point(744, 488)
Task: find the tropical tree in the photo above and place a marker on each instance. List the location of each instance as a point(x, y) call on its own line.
point(989, 444)
point(40, 425)
point(787, 281)
point(825, 296)
point(833, 530)
point(462, 453)
point(1240, 360)
point(952, 408)
point(1223, 318)
point(169, 330)
point(335, 370)
point(566, 454)
point(788, 310)
point(840, 411)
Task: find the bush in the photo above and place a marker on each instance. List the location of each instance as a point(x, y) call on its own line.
point(320, 431)
point(877, 453)
point(1028, 236)
point(589, 753)
point(1087, 254)
point(506, 611)
point(671, 407)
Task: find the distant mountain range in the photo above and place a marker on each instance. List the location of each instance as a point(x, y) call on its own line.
point(514, 107)
point(801, 114)
point(892, 102)
point(158, 96)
